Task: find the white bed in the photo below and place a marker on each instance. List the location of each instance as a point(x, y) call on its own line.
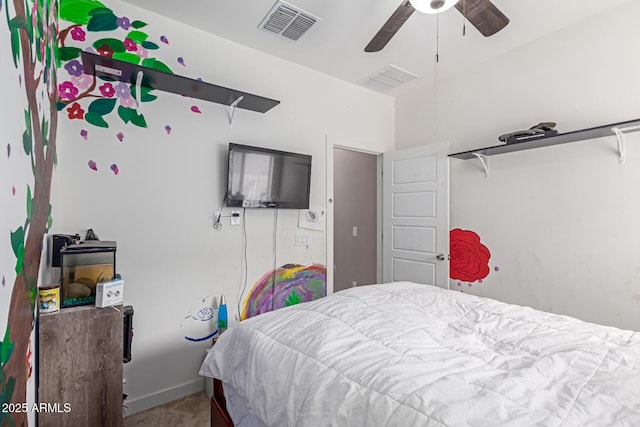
point(404, 354)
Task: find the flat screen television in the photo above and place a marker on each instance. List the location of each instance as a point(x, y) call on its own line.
point(266, 178)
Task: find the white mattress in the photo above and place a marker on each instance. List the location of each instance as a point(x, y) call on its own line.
point(404, 354)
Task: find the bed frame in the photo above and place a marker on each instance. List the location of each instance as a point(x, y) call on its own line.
point(219, 415)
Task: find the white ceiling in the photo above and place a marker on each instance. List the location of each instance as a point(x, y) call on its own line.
point(335, 46)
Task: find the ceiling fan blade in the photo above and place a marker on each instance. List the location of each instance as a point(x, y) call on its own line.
point(483, 15)
point(393, 24)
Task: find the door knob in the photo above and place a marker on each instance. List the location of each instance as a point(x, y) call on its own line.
point(440, 257)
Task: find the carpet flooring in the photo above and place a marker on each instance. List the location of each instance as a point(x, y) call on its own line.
point(191, 411)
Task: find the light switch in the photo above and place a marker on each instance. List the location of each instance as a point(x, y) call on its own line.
point(235, 217)
point(354, 231)
point(303, 239)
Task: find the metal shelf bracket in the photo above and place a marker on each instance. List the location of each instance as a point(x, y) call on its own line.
point(138, 91)
point(621, 144)
point(485, 163)
point(231, 109)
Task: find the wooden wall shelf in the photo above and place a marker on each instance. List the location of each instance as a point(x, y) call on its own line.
point(103, 66)
point(562, 138)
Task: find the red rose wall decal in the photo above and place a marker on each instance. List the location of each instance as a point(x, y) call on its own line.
point(469, 258)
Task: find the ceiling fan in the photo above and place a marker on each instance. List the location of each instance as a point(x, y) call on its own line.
point(482, 14)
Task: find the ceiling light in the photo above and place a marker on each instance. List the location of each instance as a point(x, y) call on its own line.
point(432, 6)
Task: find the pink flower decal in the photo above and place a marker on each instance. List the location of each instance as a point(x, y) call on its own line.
point(195, 109)
point(107, 90)
point(130, 45)
point(469, 257)
point(142, 52)
point(123, 90)
point(92, 165)
point(128, 102)
point(78, 34)
point(120, 136)
point(84, 134)
point(67, 90)
point(82, 82)
point(75, 111)
point(168, 129)
point(114, 169)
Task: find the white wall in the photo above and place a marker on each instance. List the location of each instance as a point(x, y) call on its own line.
point(160, 206)
point(561, 222)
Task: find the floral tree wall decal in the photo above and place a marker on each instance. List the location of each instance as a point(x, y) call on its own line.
point(33, 31)
point(469, 258)
point(85, 97)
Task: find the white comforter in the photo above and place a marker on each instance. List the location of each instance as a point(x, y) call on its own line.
point(403, 354)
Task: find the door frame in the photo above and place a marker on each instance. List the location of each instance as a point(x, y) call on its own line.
point(330, 212)
point(329, 203)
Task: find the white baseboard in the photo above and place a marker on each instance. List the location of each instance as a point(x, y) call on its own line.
point(167, 395)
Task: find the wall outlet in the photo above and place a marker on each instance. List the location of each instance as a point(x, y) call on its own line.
point(354, 284)
point(235, 217)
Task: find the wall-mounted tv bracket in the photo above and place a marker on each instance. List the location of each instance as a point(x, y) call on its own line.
point(138, 75)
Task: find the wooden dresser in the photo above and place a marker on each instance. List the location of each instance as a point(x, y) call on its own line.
point(80, 364)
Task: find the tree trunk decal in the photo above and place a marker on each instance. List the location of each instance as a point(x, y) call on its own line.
point(33, 29)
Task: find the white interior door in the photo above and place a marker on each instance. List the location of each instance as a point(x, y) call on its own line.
point(415, 232)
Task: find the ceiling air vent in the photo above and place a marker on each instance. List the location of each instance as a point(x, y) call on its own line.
point(288, 21)
point(388, 78)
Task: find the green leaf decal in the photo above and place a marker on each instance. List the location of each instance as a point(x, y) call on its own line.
point(20, 260)
point(78, 11)
point(138, 24)
point(60, 106)
point(293, 299)
point(156, 65)
point(115, 44)
point(126, 114)
point(7, 347)
point(150, 45)
point(16, 23)
point(96, 120)
point(138, 36)
point(29, 204)
point(103, 22)
point(160, 66)
point(26, 143)
point(69, 53)
point(15, 47)
point(11, 385)
point(100, 11)
point(27, 120)
point(127, 57)
point(147, 96)
point(139, 120)
point(17, 240)
point(102, 106)
point(45, 127)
